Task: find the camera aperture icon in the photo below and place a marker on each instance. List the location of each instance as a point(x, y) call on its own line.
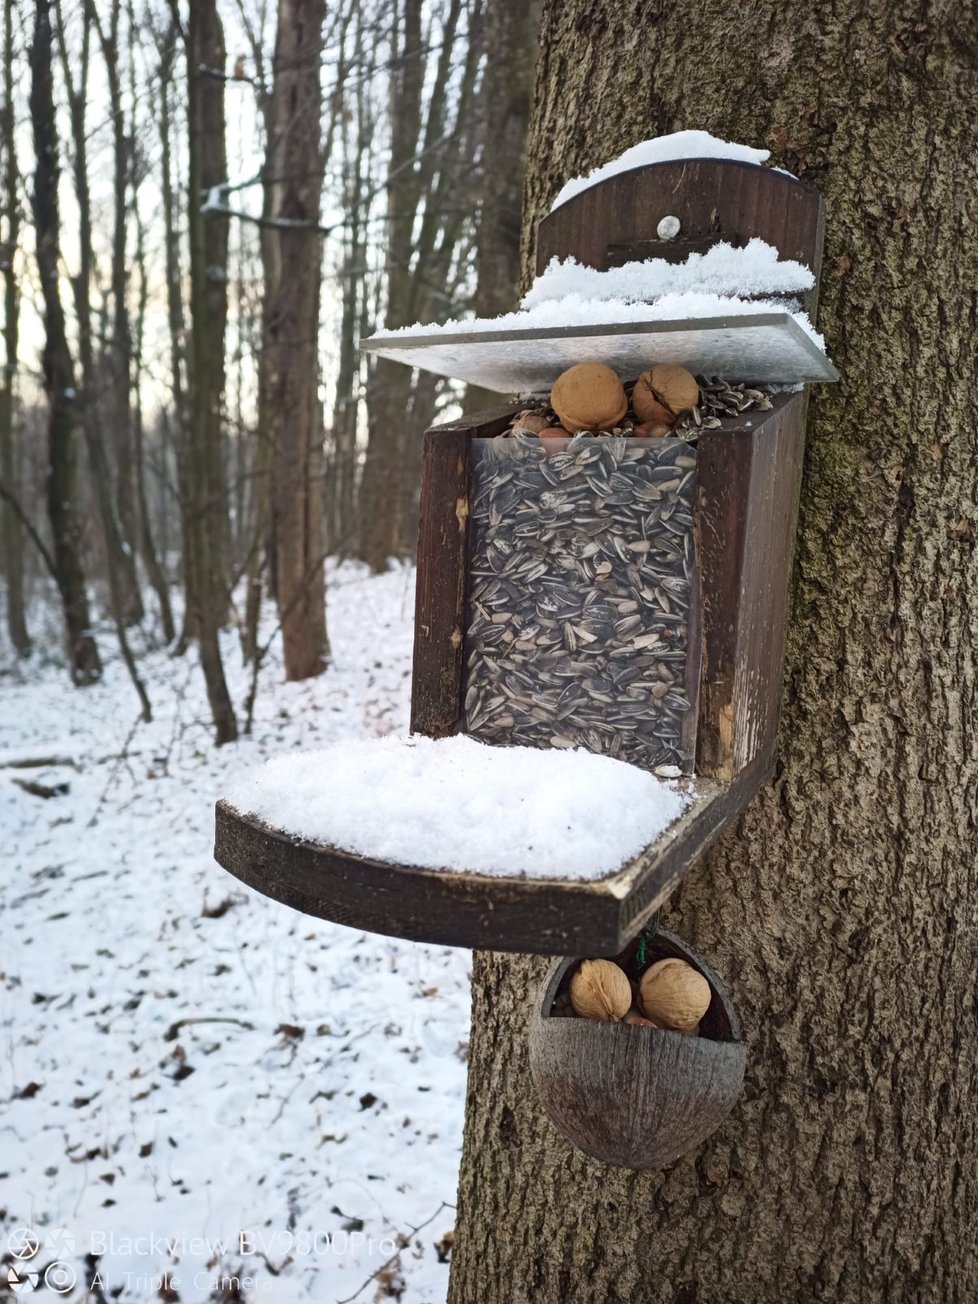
point(60, 1242)
point(23, 1244)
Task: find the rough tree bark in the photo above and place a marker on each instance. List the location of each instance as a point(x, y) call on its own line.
point(12, 538)
point(59, 377)
point(507, 91)
point(293, 417)
point(842, 910)
point(205, 488)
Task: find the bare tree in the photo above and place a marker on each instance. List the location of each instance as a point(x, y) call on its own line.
point(507, 89)
point(141, 514)
point(178, 420)
point(11, 535)
point(124, 596)
point(290, 371)
point(427, 207)
point(357, 127)
point(59, 376)
point(117, 350)
point(261, 549)
point(205, 488)
point(120, 558)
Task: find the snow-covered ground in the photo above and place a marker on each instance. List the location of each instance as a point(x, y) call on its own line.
point(196, 1083)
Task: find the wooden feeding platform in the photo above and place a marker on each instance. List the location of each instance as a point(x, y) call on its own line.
point(526, 915)
point(712, 524)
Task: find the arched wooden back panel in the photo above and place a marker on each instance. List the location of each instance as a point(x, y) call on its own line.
point(615, 221)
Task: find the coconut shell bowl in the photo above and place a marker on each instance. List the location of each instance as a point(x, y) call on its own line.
point(632, 1095)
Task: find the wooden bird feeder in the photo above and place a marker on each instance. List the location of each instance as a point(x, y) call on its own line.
point(725, 505)
point(634, 1096)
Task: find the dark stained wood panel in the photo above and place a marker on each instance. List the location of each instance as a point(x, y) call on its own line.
point(439, 622)
point(714, 199)
point(440, 601)
point(747, 495)
point(528, 916)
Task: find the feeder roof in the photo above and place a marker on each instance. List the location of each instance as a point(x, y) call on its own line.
point(748, 341)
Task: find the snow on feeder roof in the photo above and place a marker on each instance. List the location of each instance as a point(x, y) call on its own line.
point(727, 311)
point(662, 149)
point(716, 313)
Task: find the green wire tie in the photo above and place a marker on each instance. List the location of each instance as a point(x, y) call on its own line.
point(644, 938)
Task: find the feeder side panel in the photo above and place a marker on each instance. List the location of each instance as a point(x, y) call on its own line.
point(723, 486)
point(440, 599)
point(773, 509)
point(442, 549)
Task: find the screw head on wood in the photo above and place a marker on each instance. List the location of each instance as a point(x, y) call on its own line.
point(668, 228)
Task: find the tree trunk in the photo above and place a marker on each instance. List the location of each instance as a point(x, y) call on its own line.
point(260, 551)
point(155, 568)
point(205, 487)
point(842, 910)
point(176, 324)
point(356, 144)
point(507, 90)
point(59, 378)
point(389, 383)
point(116, 401)
point(11, 534)
point(290, 367)
point(125, 601)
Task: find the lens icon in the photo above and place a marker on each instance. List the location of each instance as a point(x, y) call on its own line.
point(60, 1278)
point(23, 1244)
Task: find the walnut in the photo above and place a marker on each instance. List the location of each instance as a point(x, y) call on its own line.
point(588, 397)
point(674, 995)
point(664, 394)
point(601, 990)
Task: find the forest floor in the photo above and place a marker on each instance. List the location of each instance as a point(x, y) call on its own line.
point(205, 1096)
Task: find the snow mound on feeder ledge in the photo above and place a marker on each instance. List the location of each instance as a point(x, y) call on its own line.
point(662, 149)
point(723, 271)
point(457, 804)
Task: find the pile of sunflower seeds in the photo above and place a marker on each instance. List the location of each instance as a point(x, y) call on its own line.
point(718, 399)
point(580, 571)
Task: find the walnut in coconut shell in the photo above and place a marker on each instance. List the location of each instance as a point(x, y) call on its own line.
point(674, 995)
